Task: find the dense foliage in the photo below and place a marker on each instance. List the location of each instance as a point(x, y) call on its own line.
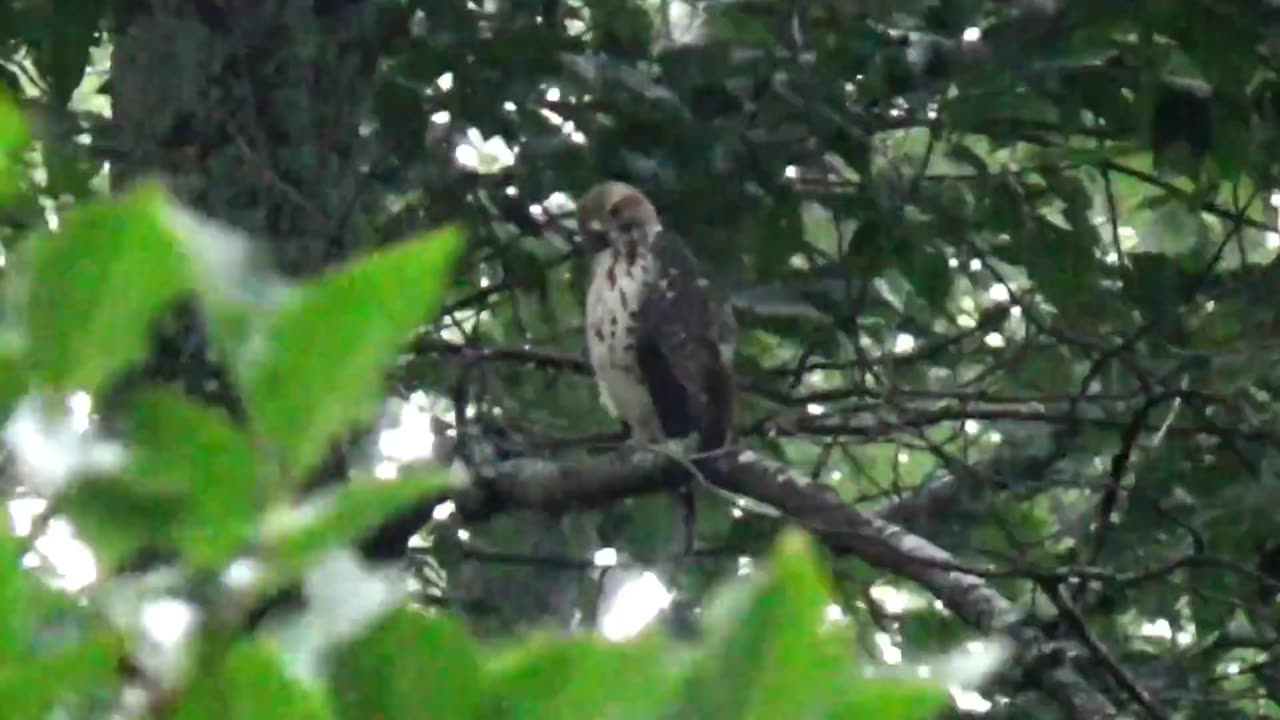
point(189, 480)
point(1005, 270)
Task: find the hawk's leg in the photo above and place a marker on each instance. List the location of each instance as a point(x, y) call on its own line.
point(619, 436)
point(677, 475)
point(688, 519)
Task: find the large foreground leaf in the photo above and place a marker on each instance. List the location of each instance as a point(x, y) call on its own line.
point(93, 288)
point(319, 365)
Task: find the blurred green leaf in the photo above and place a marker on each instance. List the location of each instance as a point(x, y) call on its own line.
point(555, 678)
point(118, 519)
point(768, 653)
point(411, 666)
point(249, 681)
point(195, 454)
point(33, 686)
point(15, 625)
point(14, 136)
point(13, 381)
point(896, 699)
point(351, 511)
point(322, 358)
point(93, 288)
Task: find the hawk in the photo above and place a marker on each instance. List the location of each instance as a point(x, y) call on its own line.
point(659, 336)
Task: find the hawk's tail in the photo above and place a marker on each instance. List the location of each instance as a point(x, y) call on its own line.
point(714, 431)
point(716, 423)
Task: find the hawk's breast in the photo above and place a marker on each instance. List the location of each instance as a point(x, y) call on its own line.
point(618, 285)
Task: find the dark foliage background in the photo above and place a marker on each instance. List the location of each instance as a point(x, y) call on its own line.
point(1006, 272)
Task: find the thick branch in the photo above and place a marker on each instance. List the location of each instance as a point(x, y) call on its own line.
point(597, 481)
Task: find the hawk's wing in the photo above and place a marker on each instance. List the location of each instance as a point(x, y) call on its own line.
point(685, 326)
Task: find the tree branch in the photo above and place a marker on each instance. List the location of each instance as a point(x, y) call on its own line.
point(600, 480)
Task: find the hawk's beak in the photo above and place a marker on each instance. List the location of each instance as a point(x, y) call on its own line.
point(594, 237)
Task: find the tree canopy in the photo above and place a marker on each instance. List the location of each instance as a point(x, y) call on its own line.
point(287, 284)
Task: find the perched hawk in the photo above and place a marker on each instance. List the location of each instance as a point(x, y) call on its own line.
point(659, 337)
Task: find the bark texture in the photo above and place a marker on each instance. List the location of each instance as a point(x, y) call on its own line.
point(250, 111)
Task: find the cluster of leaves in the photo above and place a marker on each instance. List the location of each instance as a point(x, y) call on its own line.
point(1041, 256)
point(1042, 260)
point(310, 358)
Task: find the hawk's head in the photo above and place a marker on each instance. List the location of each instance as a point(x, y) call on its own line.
point(614, 212)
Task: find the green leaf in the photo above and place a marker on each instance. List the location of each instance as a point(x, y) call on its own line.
point(94, 287)
point(354, 509)
point(410, 667)
point(250, 682)
point(13, 138)
point(13, 382)
point(15, 625)
point(118, 520)
point(31, 688)
point(13, 126)
point(50, 651)
point(820, 228)
point(897, 699)
point(769, 655)
point(320, 364)
point(557, 678)
point(195, 453)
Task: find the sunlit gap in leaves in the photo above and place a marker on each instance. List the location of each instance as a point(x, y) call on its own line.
point(162, 629)
point(566, 126)
point(961, 669)
point(968, 667)
point(904, 343)
point(52, 446)
point(344, 595)
point(632, 599)
point(461, 324)
point(890, 654)
point(1162, 629)
point(1272, 237)
point(407, 434)
point(678, 23)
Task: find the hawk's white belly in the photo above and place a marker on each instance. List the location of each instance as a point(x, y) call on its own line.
point(611, 341)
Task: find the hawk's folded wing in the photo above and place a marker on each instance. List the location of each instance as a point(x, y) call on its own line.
point(686, 330)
